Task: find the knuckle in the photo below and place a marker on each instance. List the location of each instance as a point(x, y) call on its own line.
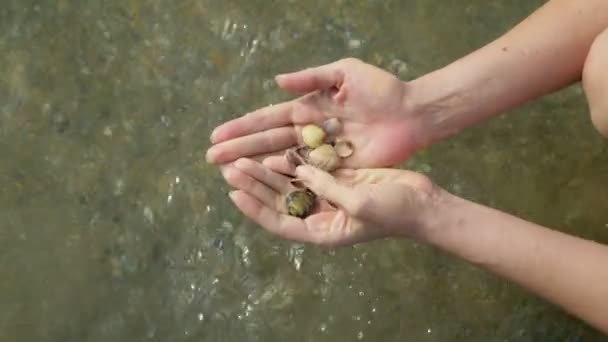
point(350, 60)
point(231, 175)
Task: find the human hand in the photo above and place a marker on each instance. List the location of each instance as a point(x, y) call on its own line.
point(356, 205)
point(371, 104)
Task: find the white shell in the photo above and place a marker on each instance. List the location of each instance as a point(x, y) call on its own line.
point(343, 148)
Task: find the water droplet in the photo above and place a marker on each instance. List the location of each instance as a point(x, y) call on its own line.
point(360, 335)
point(428, 331)
point(398, 67)
point(149, 215)
point(354, 43)
point(201, 316)
point(119, 186)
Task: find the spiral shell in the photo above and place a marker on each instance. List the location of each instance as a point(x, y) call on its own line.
point(300, 203)
point(324, 157)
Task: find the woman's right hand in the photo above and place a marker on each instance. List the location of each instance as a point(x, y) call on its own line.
point(373, 106)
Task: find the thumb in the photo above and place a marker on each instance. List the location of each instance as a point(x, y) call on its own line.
point(325, 185)
point(318, 78)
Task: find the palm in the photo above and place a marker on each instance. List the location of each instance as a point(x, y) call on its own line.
point(262, 199)
point(367, 100)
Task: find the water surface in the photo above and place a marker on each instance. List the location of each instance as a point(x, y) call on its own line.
point(113, 227)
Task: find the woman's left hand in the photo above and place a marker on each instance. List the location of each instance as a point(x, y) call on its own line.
point(355, 205)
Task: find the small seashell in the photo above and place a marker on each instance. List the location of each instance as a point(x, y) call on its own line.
point(297, 183)
point(324, 157)
point(332, 126)
point(313, 136)
point(300, 203)
point(343, 148)
point(294, 158)
point(303, 151)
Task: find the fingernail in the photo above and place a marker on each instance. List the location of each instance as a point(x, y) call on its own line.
point(304, 171)
point(209, 156)
point(213, 136)
point(231, 194)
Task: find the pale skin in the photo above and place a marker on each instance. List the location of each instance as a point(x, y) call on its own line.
point(563, 42)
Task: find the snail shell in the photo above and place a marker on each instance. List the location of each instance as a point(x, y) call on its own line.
point(313, 136)
point(324, 157)
point(332, 127)
point(297, 155)
point(300, 203)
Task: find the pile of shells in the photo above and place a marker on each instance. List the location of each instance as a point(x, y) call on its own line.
point(321, 149)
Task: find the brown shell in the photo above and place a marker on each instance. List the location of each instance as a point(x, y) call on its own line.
point(332, 127)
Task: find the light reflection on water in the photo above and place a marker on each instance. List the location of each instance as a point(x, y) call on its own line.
point(114, 227)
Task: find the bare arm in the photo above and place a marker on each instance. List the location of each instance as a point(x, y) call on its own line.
point(543, 53)
point(568, 271)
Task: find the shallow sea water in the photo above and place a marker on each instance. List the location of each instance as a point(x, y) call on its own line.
point(114, 228)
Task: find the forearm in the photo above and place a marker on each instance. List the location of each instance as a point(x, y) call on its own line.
point(543, 53)
point(563, 269)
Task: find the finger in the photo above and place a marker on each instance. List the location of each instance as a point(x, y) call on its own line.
point(311, 79)
point(270, 141)
point(266, 118)
point(261, 157)
point(285, 226)
point(280, 164)
point(595, 82)
point(242, 181)
point(325, 185)
point(275, 181)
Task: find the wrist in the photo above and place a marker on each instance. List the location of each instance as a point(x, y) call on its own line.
point(439, 105)
point(438, 216)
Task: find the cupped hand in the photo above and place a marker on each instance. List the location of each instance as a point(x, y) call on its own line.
point(355, 205)
point(371, 104)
